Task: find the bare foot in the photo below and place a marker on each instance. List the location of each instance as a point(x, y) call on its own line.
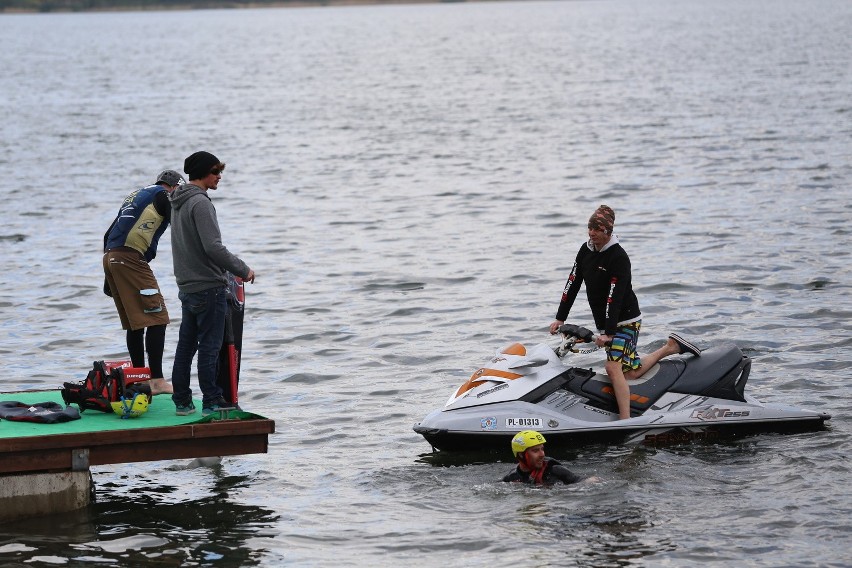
point(671, 348)
point(160, 386)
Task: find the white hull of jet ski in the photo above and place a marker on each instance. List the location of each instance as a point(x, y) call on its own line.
point(680, 399)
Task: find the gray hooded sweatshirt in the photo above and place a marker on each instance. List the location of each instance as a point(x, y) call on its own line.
point(200, 259)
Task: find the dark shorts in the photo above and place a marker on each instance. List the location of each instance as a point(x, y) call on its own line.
point(134, 289)
point(623, 346)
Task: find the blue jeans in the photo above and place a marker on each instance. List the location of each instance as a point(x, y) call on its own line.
point(202, 329)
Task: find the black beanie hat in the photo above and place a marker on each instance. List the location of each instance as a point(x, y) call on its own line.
point(199, 164)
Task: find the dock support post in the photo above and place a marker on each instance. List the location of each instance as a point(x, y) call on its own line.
point(37, 494)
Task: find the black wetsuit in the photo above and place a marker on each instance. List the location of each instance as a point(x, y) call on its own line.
point(553, 472)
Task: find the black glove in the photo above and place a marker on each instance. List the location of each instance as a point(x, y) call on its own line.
point(107, 291)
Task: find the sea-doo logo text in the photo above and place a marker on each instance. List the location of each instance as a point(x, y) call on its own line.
point(490, 391)
point(716, 413)
point(679, 437)
point(497, 359)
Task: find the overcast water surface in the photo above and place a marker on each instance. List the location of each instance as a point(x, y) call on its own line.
point(411, 184)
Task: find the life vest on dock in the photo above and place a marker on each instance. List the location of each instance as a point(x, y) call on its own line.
point(104, 385)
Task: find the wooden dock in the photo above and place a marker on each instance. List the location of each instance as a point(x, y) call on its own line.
point(72, 452)
point(44, 467)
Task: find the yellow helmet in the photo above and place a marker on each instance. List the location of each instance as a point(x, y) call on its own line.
point(131, 408)
point(525, 440)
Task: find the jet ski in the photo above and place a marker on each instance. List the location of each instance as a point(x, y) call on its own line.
point(682, 398)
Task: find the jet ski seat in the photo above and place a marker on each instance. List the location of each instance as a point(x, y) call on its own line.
point(690, 375)
point(643, 392)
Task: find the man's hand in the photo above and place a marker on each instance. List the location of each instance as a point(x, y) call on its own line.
point(250, 276)
point(554, 327)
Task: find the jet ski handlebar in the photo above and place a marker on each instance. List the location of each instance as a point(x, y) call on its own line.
point(571, 336)
point(580, 334)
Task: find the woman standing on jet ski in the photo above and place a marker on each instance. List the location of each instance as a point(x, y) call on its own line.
point(605, 267)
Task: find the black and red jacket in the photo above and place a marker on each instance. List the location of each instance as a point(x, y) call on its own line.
point(608, 286)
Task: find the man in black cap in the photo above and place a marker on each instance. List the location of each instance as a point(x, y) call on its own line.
point(130, 244)
point(201, 264)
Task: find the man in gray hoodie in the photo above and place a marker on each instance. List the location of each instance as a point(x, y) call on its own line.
point(201, 264)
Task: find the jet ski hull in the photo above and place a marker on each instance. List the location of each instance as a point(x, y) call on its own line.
point(449, 440)
point(678, 400)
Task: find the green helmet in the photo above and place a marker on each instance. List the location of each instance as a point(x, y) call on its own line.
point(525, 440)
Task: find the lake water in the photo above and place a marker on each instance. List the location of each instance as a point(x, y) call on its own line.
point(411, 184)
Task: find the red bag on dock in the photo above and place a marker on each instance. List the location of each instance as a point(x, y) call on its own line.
point(104, 384)
point(131, 374)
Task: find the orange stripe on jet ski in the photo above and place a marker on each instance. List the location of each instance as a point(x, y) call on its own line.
point(476, 378)
point(633, 396)
point(515, 349)
point(467, 386)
